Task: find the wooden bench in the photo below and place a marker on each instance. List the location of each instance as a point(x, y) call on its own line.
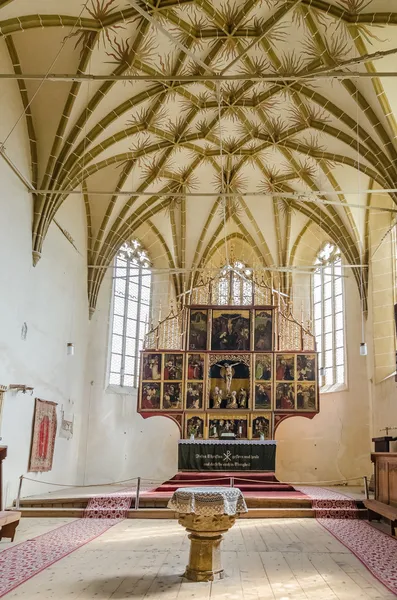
point(9, 521)
point(376, 508)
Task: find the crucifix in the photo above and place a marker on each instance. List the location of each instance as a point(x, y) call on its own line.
point(382, 444)
point(389, 428)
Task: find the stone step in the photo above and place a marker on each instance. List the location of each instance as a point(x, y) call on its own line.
point(165, 513)
point(160, 501)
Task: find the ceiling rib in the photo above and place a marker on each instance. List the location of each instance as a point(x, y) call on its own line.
point(164, 31)
point(282, 12)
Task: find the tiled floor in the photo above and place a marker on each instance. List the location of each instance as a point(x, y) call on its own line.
point(283, 559)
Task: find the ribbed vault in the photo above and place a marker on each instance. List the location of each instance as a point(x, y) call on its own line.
point(183, 133)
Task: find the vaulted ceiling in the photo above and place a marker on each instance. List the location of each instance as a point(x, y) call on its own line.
point(207, 97)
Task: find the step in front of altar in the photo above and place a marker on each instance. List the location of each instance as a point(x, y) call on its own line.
point(244, 487)
point(224, 476)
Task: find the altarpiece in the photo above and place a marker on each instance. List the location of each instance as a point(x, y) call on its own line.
point(229, 372)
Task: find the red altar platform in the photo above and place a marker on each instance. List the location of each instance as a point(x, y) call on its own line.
point(253, 485)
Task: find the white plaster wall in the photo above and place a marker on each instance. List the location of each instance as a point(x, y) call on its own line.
point(335, 444)
point(381, 326)
point(120, 443)
point(52, 300)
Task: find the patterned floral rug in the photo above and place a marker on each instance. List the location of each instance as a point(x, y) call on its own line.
point(25, 560)
point(338, 514)
point(329, 504)
point(110, 506)
point(375, 549)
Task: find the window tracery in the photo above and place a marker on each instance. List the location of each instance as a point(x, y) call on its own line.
point(130, 312)
point(235, 284)
point(328, 301)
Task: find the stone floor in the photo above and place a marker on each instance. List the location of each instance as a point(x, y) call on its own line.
point(283, 559)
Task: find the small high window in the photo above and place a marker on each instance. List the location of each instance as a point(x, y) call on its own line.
point(131, 307)
point(329, 315)
point(234, 285)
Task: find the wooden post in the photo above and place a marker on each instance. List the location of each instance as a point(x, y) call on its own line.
point(138, 489)
point(19, 492)
point(366, 487)
point(3, 454)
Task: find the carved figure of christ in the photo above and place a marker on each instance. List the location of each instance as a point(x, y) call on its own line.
point(227, 374)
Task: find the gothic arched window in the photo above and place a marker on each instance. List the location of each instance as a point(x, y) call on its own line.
point(131, 306)
point(234, 285)
point(329, 315)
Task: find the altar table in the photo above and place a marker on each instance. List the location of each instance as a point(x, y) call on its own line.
point(206, 513)
point(220, 455)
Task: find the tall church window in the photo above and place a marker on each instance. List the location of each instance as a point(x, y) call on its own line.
point(329, 315)
point(131, 306)
point(234, 285)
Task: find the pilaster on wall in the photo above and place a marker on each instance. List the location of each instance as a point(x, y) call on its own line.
point(381, 257)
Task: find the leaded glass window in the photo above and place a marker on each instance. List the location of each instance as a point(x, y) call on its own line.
point(131, 307)
point(235, 285)
point(329, 315)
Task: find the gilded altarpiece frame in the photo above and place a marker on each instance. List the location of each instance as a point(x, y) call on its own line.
point(248, 393)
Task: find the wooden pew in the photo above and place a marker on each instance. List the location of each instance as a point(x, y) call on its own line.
point(385, 502)
point(377, 509)
point(9, 521)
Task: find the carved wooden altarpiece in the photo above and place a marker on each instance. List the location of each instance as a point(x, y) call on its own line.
point(229, 371)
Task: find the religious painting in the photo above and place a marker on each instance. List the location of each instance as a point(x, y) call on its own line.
point(194, 427)
point(306, 367)
point(150, 396)
point(43, 436)
point(151, 367)
point(263, 367)
point(285, 396)
point(263, 396)
point(230, 330)
point(198, 327)
point(195, 367)
point(229, 381)
point(263, 330)
point(262, 427)
point(172, 396)
point(285, 367)
point(228, 427)
point(194, 395)
point(66, 427)
point(173, 367)
point(306, 396)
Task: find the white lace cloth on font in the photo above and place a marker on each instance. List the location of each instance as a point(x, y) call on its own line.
point(208, 501)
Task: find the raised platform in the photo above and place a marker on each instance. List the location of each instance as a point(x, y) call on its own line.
point(263, 501)
point(261, 483)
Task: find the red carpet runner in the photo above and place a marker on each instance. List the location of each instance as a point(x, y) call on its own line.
point(25, 560)
point(376, 550)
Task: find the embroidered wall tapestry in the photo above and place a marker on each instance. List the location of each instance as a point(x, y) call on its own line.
point(43, 437)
